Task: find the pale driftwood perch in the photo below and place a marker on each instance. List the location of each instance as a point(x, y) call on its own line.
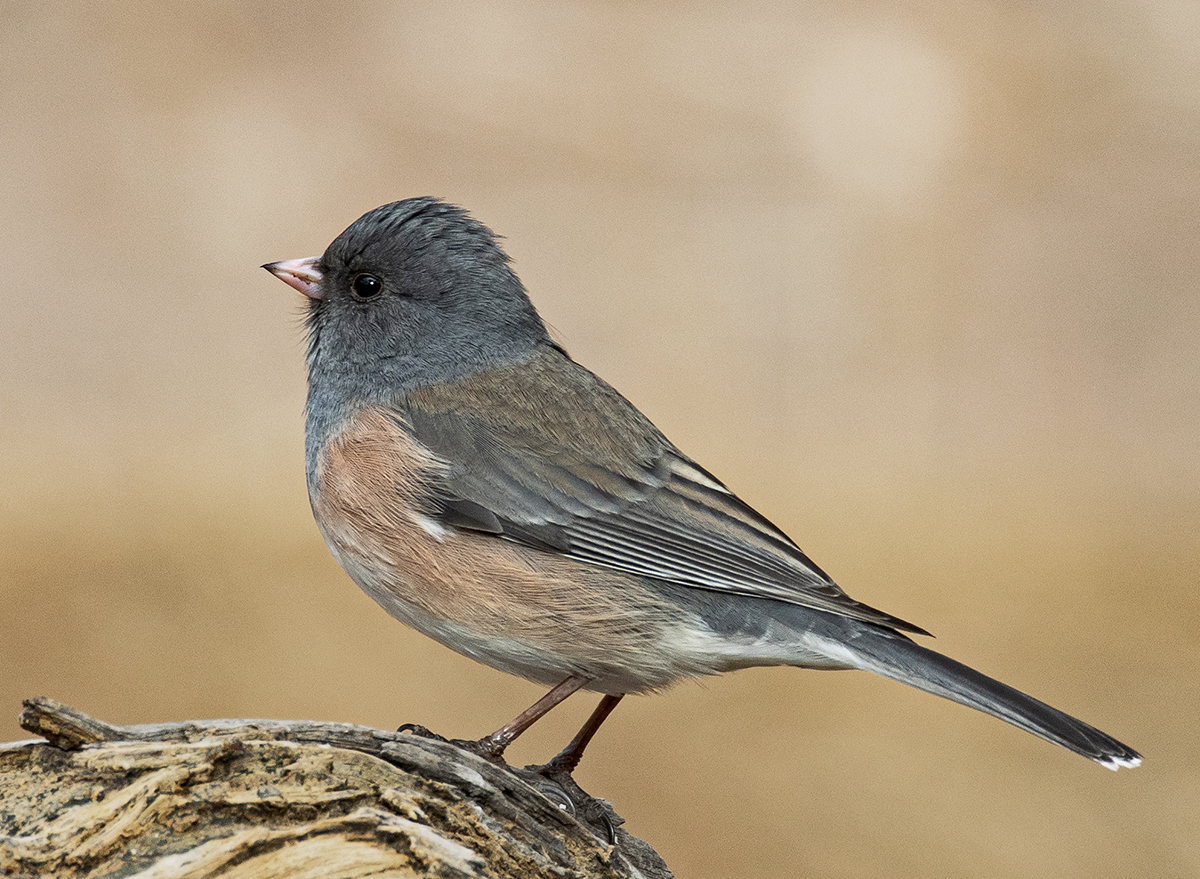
point(260, 799)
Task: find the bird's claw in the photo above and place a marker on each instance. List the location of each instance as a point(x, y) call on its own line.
point(561, 789)
point(416, 729)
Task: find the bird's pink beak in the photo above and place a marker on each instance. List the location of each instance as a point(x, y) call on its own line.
point(302, 274)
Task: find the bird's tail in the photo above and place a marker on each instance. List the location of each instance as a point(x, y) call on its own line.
point(895, 656)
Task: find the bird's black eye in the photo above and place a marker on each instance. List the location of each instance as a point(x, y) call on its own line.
point(366, 286)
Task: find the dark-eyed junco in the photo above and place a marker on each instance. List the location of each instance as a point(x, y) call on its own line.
point(492, 493)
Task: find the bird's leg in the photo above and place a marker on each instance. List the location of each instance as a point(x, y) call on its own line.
point(492, 747)
point(560, 787)
point(568, 758)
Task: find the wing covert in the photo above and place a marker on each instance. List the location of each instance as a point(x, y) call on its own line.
point(601, 484)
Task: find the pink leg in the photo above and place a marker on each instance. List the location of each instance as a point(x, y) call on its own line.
point(568, 758)
point(492, 747)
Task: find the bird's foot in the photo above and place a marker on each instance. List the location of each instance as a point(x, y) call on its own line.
point(487, 747)
point(415, 729)
point(555, 782)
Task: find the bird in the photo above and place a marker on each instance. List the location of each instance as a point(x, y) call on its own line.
point(495, 495)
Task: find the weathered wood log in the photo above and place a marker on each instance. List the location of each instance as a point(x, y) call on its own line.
point(260, 799)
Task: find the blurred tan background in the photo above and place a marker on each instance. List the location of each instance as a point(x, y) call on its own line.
point(920, 281)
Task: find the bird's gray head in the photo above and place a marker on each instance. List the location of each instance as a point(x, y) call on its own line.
point(412, 293)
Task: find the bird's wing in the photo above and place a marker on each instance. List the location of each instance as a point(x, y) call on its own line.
point(587, 475)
